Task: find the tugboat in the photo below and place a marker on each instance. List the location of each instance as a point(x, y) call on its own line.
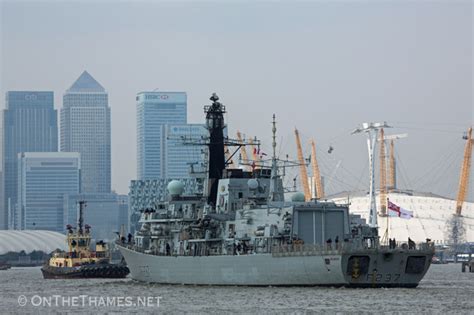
point(79, 261)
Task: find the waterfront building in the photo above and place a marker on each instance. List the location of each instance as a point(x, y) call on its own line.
point(154, 110)
point(85, 128)
point(181, 149)
point(3, 211)
point(144, 194)
point(123, 211)
point(43, 180)
point(29, 125)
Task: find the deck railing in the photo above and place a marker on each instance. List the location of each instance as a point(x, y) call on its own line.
point(287, 249)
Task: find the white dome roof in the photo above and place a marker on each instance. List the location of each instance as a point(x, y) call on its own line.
point(31, 240)
point(430, 216)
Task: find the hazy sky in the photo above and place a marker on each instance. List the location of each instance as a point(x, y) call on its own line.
point(323, 67)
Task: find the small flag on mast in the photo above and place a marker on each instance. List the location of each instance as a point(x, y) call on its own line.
point(398, 211)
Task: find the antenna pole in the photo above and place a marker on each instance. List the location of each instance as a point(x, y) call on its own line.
point(373, 207)
point(80, 220)
point(275, 191)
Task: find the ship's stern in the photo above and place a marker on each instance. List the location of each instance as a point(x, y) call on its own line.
point(386, 267)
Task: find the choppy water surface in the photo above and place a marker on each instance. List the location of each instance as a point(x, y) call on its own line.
point(443, 290)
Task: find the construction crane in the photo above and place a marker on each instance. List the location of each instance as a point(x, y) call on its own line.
point(383, 175)
point(303, 172)
point(243, 151)
point(465, 170)
point(316, 174)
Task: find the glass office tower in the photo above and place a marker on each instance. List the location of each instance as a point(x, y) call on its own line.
point(44, 179)
point(29, 125)
point(178, 157)
point(154, 110)
point(85, 128)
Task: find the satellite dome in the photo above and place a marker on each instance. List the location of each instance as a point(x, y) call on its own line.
point(175, 188)
point(252, 183)
point(298, 197)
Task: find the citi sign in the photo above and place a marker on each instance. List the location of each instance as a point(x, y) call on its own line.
point(31, 97)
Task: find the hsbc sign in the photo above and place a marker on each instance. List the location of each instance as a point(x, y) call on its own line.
point(165, 97)
point(157, 97)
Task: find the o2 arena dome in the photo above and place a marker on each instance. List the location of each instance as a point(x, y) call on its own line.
point(431, 215)
point(31, 240)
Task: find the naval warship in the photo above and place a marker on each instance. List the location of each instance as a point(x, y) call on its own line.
point(241, 231)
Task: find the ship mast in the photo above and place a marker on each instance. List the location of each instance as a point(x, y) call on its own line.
point(276, 193)
point(80, 217)
point(217, 161)
point(371, 129)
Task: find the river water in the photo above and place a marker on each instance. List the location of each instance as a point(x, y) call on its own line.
point(443, 290)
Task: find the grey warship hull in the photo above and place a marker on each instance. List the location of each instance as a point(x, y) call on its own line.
point(365, 268)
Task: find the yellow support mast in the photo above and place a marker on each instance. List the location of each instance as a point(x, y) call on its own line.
point(303, 172)
point(392, 175)
point(316, 174)
point(465, 170)
point(391, 167)
point(383, 175)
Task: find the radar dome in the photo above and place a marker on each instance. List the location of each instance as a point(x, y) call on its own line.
point(298, 197)
point(175, 188)
point(252, 183)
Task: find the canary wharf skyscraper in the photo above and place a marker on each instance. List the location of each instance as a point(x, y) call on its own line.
point(154, 110)
point(29, 125)
point(85, 128)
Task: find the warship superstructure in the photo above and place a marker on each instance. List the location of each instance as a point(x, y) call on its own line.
point(241, 231)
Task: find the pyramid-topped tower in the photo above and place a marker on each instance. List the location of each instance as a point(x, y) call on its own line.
point(85, 128)
point(86, 83)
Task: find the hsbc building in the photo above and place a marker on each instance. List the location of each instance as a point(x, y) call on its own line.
point(154, 111)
